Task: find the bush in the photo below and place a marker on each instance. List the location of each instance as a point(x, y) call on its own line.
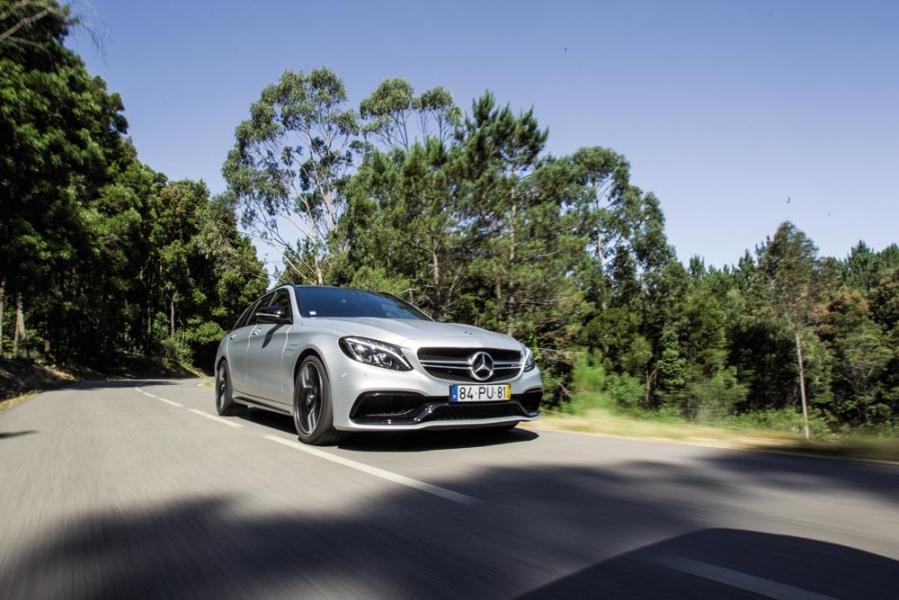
point(202, 338)
point(626, 392)
point(595, 389)
point(175, 351)
point(588, 380)
point(714, 398)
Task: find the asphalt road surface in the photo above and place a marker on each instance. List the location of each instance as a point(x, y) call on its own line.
point(136, 489)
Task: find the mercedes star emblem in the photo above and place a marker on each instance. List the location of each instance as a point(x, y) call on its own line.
point(481, 366)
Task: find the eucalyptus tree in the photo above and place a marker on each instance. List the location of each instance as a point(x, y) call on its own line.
point(397, 118)
point(20, 19)
point(605, 175)
point(289, 163)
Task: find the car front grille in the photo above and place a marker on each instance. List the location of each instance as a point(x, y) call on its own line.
point(451, 364)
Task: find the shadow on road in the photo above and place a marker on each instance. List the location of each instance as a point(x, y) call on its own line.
point(803, 473)
point(418, 441)
point(11, 434)
point(719, 563)
point(267, 418)
point(531, 529)
point(413, 441)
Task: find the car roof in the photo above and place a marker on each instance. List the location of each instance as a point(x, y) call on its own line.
point(331, 287)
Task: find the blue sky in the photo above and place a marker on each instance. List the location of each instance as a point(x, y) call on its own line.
point(725, 109)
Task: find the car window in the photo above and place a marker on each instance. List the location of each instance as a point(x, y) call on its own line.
point(282, 300)
point(323, 302)
point(263, 302)
point(244, 317)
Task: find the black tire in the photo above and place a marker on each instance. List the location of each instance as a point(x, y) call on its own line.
point(313, 414)
point(224, 401)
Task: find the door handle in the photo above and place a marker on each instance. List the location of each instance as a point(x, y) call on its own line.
point(256, 332)
point(232, 336)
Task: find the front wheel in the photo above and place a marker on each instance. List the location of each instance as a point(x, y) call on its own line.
point(224, 401)
point(313, 415)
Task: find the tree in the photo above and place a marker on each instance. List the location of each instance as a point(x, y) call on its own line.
point(60, 144)
point(95, 245)
point(21, 22)
point(390, 110)
point(289, 164)
point(402, 217)
point(788, 286)
point(199, 271)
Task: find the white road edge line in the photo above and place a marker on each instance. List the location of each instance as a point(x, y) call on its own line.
point(214, 418)
point(376, 472)
point(740, 580)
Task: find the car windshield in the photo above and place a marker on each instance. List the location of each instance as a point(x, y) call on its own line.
point(324, 302)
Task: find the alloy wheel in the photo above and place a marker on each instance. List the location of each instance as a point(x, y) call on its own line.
point(221, 387)
point(309, 400)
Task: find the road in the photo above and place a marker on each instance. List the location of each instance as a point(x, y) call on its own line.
point(136, 489)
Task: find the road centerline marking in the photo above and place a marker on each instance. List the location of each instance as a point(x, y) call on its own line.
point(160, 398)
point(214, 418)
point(740, 580)
point(422, 486)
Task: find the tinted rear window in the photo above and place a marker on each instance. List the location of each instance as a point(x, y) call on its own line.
point(337, 302)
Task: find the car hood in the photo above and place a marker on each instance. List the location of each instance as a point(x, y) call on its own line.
point(419, 333)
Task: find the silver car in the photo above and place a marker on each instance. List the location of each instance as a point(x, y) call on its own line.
point(340, 359)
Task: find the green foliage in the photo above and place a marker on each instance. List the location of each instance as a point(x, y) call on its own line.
point(627, 392)
point(465, 214)
point(566, 253)
point(715, 397)
point(290, 161)
point(589, 384)
point(107, 258)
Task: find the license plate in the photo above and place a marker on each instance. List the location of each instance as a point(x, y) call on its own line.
point(480, 393)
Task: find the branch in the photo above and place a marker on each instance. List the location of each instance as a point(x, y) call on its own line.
point(25, 21)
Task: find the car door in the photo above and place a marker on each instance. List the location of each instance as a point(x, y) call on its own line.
point(265, 352)
point(237, 346)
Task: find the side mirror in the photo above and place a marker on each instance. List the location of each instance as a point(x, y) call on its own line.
point(272, 314)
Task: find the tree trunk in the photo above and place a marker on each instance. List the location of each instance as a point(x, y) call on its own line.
point(435, 273)
point(510, 284)
point(172, 316)
point(498, 293)
point(319, 276)
point(802, 385)
point(19, 329)
point(2, 298)
point(650, 379)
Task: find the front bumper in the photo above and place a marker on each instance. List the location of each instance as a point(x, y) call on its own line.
point(368, 398)
point(404, 408)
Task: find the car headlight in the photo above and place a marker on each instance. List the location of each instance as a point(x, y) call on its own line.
point(373, 352)
point(529, 363)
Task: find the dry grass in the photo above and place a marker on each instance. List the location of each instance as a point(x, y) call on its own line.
point(602, 422)
point(20, 380)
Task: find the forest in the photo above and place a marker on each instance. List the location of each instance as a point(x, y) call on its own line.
point(461, 211)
